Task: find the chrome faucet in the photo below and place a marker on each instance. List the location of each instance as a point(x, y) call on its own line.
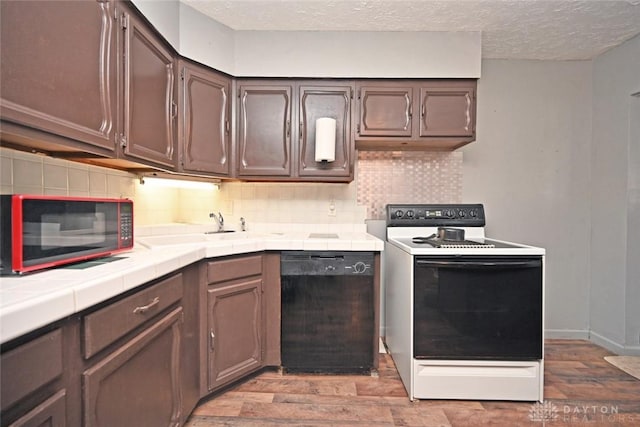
point(218, 219)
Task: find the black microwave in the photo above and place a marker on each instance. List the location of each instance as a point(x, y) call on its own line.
point(39, 232)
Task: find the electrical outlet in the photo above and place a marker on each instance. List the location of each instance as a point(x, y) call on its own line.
point(332, 208)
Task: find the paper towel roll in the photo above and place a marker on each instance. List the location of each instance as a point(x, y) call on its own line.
point(325, 139)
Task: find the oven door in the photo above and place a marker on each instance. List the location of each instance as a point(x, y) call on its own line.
point(481, 307)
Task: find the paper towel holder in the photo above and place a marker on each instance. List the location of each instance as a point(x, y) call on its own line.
point(325, 140)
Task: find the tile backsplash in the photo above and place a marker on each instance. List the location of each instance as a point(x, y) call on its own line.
point(381, 178)
point(36, 174)
point(293, 203)
point(407, 177)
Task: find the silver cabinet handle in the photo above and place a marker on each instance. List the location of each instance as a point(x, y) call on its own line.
point(143, 309)
point(213, 337)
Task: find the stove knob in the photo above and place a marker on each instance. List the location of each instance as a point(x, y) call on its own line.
point(399, 213)
point(410, 214)
point(449, 213)
point(473, 213)
point(461, 213)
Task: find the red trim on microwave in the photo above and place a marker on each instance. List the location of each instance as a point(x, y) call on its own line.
point(17, 232)
point(67, 198)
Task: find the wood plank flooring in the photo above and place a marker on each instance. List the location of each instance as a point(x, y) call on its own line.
point(581, 389)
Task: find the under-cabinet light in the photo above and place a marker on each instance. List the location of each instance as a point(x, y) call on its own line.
point(177, 183)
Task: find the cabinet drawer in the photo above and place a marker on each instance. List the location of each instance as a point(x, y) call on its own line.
point(106, 325)
point(29, 367)
point(228, 269)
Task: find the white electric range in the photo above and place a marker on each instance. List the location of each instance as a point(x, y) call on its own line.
point(464, 313)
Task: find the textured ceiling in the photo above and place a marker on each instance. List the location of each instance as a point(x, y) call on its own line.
point(523, 29)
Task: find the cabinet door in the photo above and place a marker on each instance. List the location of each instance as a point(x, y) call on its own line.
point(149, 102)
point(139, 383)
point(50, 413)
point(325, 101)
point(204, 121)
point(58, 71)
point(385, 110)
point(235, 330)
point(264, 135)
point(447, 111)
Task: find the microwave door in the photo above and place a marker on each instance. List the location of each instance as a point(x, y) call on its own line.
point(72, 230)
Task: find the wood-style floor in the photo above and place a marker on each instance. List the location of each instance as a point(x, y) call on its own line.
point(581, 389)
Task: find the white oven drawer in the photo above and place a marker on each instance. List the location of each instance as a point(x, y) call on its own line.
point(477, 380)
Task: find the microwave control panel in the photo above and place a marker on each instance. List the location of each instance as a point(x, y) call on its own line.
point(126, 225)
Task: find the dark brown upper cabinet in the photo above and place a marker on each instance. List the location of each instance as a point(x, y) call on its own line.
point(434, 114)
point(447, 112)
point(89, 81)
point(58, 72)
point(150, 108)
point(386, 110)
point(277, 125)
point(317, 100)
point(264, 132)
point(204, 121)
point(93, 81)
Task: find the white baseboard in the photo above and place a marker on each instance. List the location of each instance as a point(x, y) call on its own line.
point(576, 334)
point(567, 334)
point(613, 346)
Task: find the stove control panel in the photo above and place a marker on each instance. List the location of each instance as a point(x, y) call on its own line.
point(417, 215)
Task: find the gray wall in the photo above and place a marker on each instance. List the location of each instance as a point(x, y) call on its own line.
point(164, 16)
point(206, 40)
point(530, 167)
point(314, 54)
point(615, 166)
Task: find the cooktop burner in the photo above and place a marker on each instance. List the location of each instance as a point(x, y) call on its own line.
point(441, 243)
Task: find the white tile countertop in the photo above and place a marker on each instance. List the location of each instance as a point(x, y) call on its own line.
point(34, 300)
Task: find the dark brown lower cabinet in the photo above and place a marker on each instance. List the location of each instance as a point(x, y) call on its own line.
point(32, 387)
point(147, 357)
point(50, 413)
point(139, 383)
point(235, 330)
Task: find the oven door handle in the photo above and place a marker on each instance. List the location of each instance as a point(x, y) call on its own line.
point(479, 264)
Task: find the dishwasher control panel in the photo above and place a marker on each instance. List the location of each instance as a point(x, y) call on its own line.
point(326, 263)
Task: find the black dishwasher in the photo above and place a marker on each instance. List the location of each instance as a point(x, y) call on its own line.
point(328, 313)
